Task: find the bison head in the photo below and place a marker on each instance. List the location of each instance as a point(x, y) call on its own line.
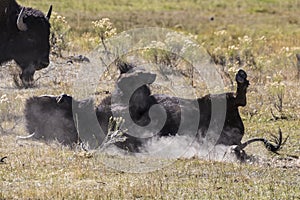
point(30, 47)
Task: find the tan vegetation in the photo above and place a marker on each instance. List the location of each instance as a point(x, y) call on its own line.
point(260, 36)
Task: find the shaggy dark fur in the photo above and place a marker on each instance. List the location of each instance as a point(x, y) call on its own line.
point(64, 119)
point(53, 118)
point(29, 48)
point(231, 127)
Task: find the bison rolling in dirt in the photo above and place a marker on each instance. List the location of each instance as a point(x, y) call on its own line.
point(58, 118)
point(24, 38)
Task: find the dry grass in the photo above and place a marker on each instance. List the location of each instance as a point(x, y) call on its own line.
point(35, 170)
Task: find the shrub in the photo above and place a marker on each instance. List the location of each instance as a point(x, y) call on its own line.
point(59, 34)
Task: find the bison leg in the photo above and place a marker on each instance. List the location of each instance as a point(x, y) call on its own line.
point(242, 84)
point(27, 76)
point(273, 147)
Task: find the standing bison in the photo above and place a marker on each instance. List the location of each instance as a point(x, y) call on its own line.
point(24, 38)
point(69, 121)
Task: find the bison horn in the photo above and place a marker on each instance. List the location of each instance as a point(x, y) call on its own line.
point(49, 13)
point(20, 23)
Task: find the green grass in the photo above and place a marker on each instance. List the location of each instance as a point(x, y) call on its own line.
point(192, 15)
point(37, 170)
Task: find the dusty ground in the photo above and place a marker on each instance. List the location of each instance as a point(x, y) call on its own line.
point(267, 31)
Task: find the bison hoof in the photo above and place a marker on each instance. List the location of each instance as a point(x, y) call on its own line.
point(241, 76)
point(26, 84)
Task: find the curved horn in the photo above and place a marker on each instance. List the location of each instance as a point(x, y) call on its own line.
point(20, 23)
point(25, 137)
point(49, 13)
point(2, 159)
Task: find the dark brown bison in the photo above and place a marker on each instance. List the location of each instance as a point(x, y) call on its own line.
point(138, 102)
point(69, 121)
point(24, 38)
